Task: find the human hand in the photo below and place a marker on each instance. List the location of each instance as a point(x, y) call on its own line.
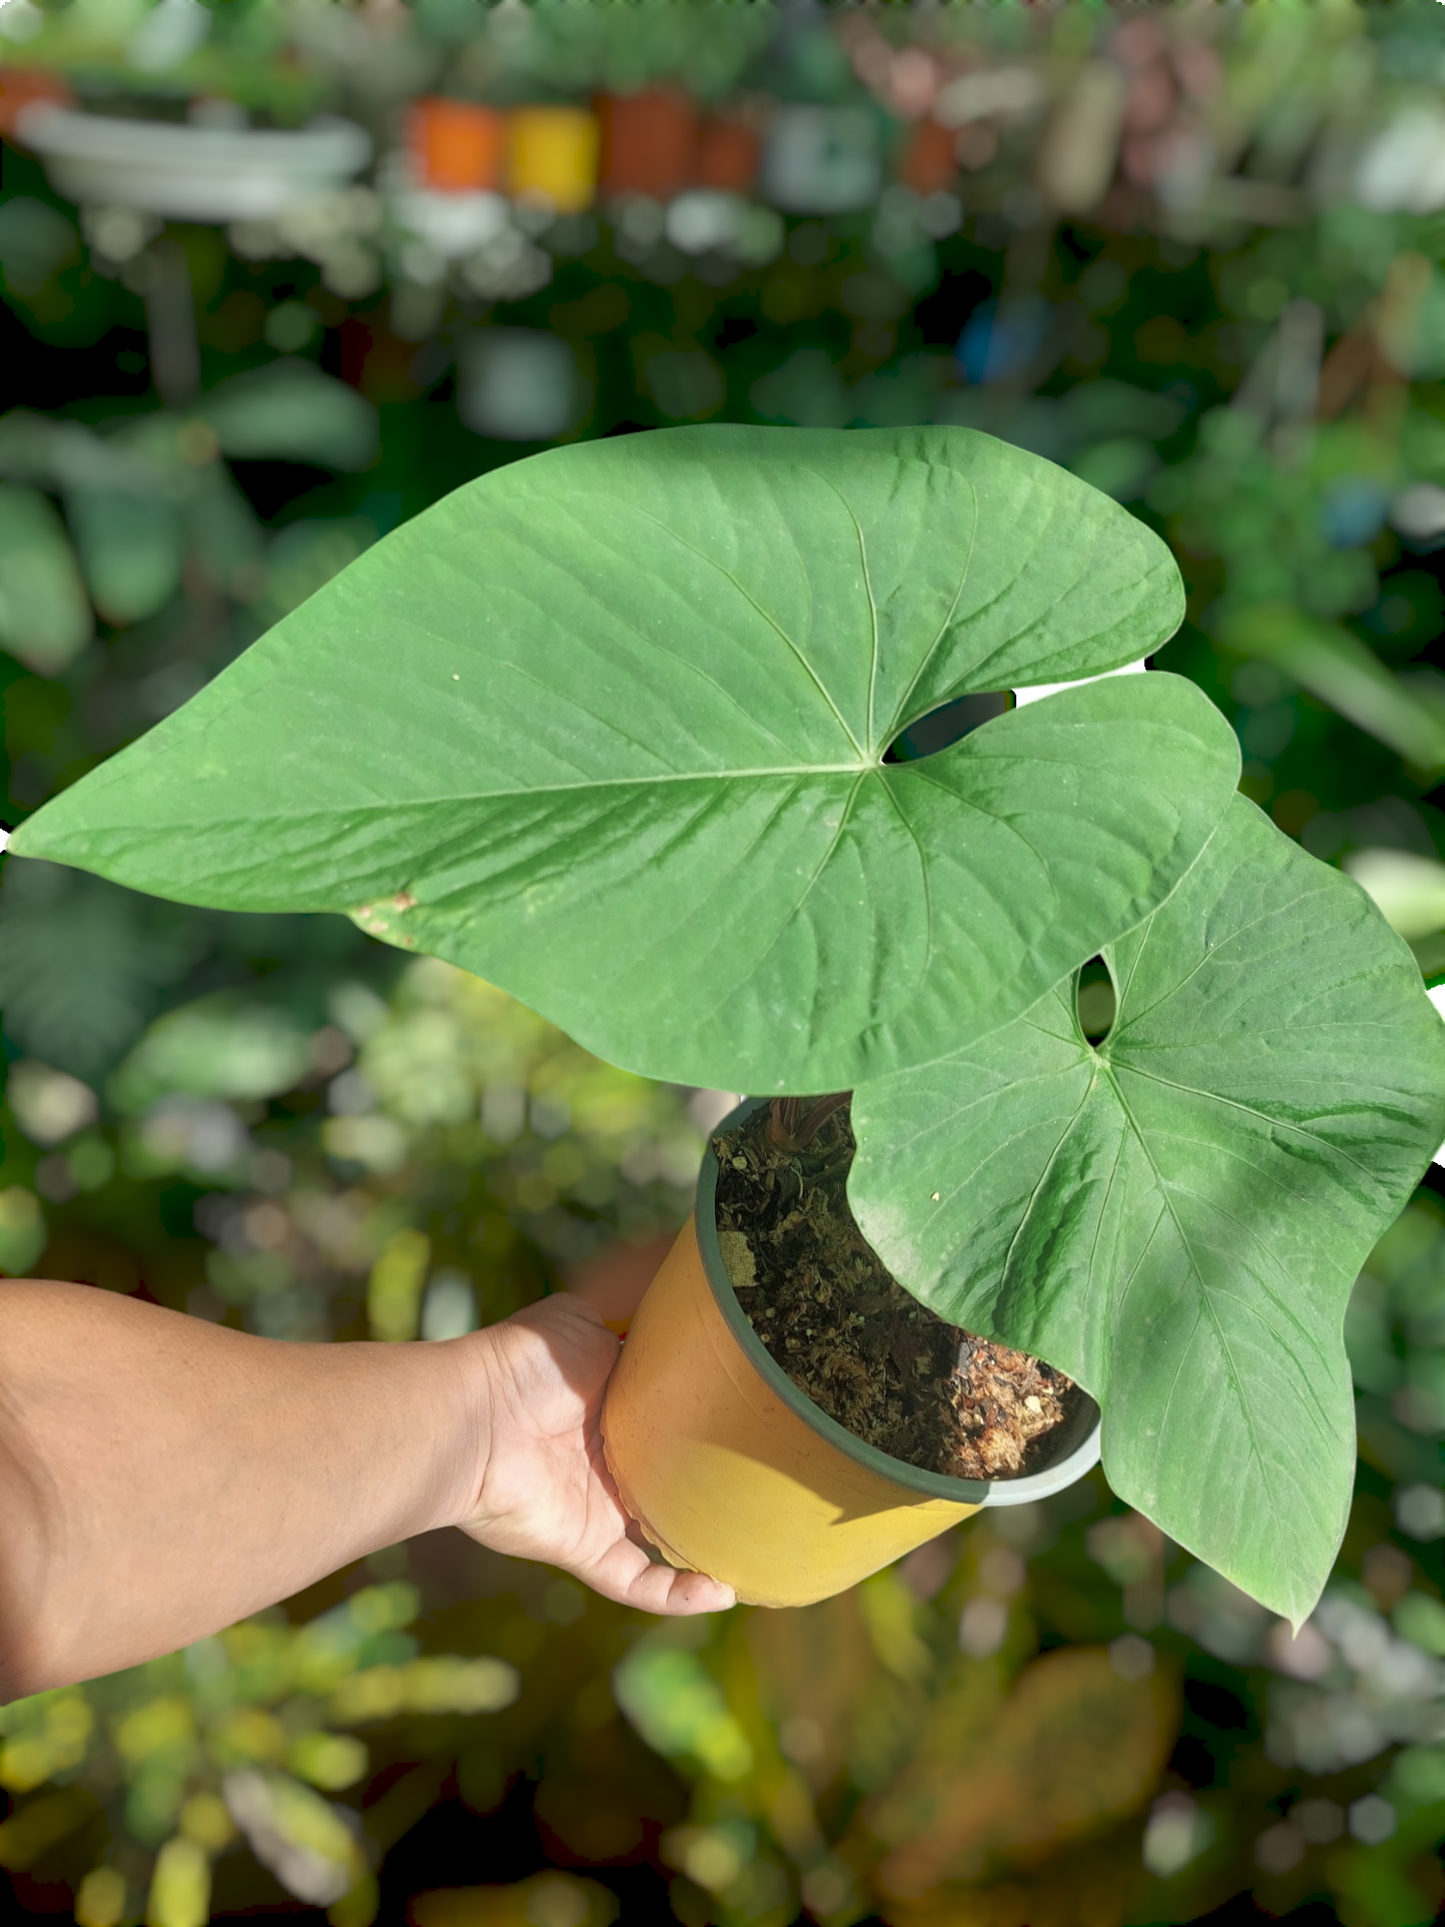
point(543, 1490)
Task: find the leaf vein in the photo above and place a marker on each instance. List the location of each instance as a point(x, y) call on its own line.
point(771, 621)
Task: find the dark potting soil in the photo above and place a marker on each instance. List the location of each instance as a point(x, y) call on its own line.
point(895, 1374)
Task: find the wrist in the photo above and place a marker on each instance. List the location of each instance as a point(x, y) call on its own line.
point(470, 1370)
point(421, 1434)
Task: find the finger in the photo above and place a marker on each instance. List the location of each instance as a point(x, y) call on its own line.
point(695, 1592)
point(626, 1574)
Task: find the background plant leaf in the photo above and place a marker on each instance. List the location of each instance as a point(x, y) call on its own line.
point(1034, 1776)
point(607, 730)
point(222, 530)
point(289, 410)
point(45, 619)
point(131, 549)
point(1176, 1218)
point(83, 965)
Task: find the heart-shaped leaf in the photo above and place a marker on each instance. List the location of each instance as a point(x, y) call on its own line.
point(607, 727)
point(1176, 1217)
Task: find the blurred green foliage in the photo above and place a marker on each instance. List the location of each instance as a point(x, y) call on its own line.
point(1053, 1715)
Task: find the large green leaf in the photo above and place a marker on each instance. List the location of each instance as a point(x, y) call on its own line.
point(607, 726)
point(1176, 1217)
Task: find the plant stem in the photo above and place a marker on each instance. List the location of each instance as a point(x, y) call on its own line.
point(792, 1128)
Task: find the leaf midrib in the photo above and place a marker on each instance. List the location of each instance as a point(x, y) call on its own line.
point(354, 810)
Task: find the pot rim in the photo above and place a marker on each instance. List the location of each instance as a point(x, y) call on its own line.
point(1064, 1472)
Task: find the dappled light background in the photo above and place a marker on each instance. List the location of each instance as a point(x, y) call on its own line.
point(275, 277)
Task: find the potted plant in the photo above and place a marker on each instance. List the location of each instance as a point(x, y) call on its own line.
point(613, 727)
point(725, 1423)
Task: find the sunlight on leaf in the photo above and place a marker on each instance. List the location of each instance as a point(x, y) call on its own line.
point(607, 727)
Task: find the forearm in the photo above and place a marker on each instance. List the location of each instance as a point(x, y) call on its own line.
point(161, 1477)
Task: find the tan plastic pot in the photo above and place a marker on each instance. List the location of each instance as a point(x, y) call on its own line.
point(731, 1470)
